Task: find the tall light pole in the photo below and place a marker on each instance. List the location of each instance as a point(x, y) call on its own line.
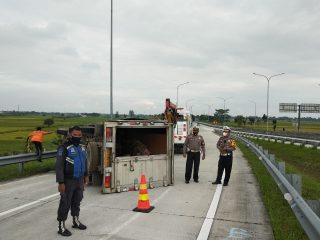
point(190, 99)
point(178, 91)
point(111, 59)
point(224, 106)
point(268, 79)
point(255, 111)
point(209, 108)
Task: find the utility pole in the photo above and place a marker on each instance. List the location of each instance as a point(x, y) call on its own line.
point(111, 59)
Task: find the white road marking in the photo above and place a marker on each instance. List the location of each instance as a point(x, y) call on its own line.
point(134, 217)
point(23, 180)
point(208, 221)
point(28, 204)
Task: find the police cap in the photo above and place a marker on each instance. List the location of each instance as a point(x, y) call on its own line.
point(195, 129)
point(226, 129)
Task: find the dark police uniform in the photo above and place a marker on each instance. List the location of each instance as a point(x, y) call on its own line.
point(226, 146)
point(193, 146)
point(71, 168)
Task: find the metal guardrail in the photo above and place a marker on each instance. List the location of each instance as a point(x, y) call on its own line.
point(303, 141)
point(22, 158)
point(308, 219)
point(305, 215)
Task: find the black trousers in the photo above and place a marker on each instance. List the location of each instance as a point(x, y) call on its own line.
point(225, 163)
point(71, 198)
point(39, 148)
point(192, 157)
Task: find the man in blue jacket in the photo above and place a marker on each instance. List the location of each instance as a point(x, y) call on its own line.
point(72, 176)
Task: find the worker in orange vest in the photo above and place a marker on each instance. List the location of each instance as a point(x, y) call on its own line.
point(36, 137)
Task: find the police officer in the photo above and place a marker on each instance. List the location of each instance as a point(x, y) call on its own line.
point(226, 146)
point(72, 175)
point(192, 147)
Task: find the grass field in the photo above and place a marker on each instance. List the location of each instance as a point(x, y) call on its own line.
point(299, 160)
point(15, 129)
point(284, 223)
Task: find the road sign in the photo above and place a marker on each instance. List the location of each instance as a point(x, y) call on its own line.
point(310, 108)
point(288, 107)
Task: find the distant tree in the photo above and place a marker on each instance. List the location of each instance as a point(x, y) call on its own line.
point(244, 121)
point(131, 113)
point(239, 120)
point(48, 122)
point(274, 124)
point(251, 120)
point(117, 114)
point(221, 115)
point(264, 118)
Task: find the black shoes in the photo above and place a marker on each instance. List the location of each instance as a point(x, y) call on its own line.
point(62, 230)
point(225, 184)
point(216, 182)
point(78, 224)
point(196, 181)
point(187, 181)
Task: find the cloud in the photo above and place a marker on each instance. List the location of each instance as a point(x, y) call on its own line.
point(60, 51)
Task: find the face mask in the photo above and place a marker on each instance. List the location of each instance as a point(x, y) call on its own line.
point(75, 140)
point(225, 134)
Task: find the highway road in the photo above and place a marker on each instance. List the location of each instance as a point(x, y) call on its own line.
point(28, 207)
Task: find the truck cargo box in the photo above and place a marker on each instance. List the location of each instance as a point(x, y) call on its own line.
point(119, 152)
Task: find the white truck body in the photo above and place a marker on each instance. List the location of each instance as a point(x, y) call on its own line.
point(182, 128)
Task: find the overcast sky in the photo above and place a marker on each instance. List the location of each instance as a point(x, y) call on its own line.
point(55, 54)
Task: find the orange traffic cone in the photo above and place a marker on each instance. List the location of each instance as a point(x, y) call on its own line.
point(143, 201)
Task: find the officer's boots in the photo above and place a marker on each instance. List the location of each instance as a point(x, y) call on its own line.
point(62, 229)
point(78, 224)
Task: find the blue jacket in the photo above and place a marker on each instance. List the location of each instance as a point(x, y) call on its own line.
point(71, 162)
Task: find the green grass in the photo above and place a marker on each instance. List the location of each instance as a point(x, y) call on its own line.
point(14, 131)
point(299, 160)
point(284, 223)
point(30, 168)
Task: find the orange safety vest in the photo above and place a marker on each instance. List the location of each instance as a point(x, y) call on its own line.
point(37, 136)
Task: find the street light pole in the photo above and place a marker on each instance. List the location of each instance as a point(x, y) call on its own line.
point(224, 106)
point(190, 99)
point(268, 79)
point(255, 111)
point(178, 90)
point(111, 60)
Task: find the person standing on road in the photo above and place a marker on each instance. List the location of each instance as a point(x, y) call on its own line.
point(36, 137)
point(226, 146)
point(192, 148)
point(72, 176)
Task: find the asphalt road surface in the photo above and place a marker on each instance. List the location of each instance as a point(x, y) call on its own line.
point(28, 207)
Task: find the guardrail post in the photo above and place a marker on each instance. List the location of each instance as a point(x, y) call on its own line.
point(21, 167)
point(296, 181)
point(266, 152)
point(282, 167)
point(315, 206)
point(272, 158)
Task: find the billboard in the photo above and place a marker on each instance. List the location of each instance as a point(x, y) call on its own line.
point(288, 107)
point(310, 108)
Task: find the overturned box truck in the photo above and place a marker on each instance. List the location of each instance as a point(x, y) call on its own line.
point(120, 151)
